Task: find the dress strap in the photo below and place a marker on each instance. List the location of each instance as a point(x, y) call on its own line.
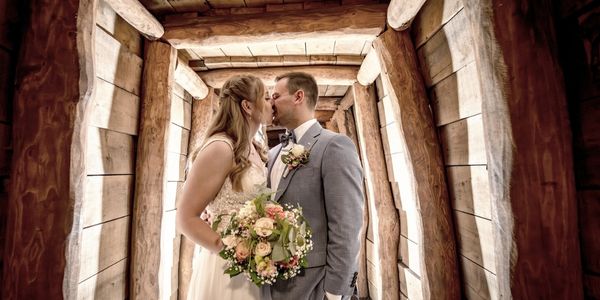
point(218, 137)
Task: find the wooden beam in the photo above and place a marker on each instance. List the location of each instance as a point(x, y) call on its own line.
point(363, 22)
point(383, 213)
point(325, 75)
point(190, 81)
point(369, 69)
point(529, 150)
point(401, 74)
point(137, 16)
point(347, 101)
point(47, 179)
point(150, 180)
point(323, 115)
point(219, 62)
point(327, 103)
point(401, 13)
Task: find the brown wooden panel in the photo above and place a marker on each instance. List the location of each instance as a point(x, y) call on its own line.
point(529, 143)
point(592, 286)
point(6, 85)
point(5, 149)
point(457, 96)
point(478, 283)
point(589, 226)
point(109, 152)
point(102, 246)
point(111, 283)
point(463, 143)
point(476, 239)
point(590, 124)
point(587, 169)
point(189, 5)
point(450, 49)
point(106, 198)
point(116, 64)
point(115, 109)
point(118, 28)
point(469, 190)
point(8, 23)
point(158, 6)
point(433, 15)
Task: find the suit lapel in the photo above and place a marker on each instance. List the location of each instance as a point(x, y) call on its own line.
point(308, 140)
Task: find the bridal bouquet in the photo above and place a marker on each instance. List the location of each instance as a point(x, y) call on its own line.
point(266, 241)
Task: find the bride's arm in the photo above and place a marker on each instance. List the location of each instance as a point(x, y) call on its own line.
point(207, 174)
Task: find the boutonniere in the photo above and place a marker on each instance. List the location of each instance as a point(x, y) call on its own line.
point(297, 156)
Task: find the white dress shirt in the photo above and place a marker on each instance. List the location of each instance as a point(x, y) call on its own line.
point(279, 166)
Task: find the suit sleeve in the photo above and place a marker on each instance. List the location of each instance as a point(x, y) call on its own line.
point(344, 200)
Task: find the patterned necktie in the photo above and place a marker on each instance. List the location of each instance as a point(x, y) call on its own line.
point(286, 137)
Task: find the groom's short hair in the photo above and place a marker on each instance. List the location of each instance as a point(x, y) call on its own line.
point(305, 82)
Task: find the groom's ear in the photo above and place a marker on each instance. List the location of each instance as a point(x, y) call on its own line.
point(299, 96)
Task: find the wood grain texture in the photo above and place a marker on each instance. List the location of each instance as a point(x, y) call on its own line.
point(400, 13)
point(369, 69)
point(103, 245)
point(469, 190)
point(589, 210)
point(7, 64)
point(111, 283)
point(463, 142)
point(55, 87)
point(106, 198)
point(478, 283)
point(528, 148)
point(383, 214)
point(109, 152)
point(110, 21)
point(400, 72)
point(115, 109)
point(358, 22)
point(136, 14)
point(448, 50)
point(324, 75)
point(158, 80)
point(189, 80)
point(431, 17)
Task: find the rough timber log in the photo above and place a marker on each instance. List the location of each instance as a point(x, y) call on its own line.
point(137, 16)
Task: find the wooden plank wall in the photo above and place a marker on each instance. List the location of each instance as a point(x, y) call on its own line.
point(444, 43)
point(583, 91)
point(110, 159)
point(409, 260)
point(179, 134)
point(8, 56)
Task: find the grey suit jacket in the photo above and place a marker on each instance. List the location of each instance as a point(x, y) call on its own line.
point(329, 188)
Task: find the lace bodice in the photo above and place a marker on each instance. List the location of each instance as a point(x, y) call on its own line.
point(227, 199)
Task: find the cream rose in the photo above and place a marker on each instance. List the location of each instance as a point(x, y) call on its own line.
point(242, 251)
point(297, 150)
point(230, 241)
point(262, 249)
point(264, 227)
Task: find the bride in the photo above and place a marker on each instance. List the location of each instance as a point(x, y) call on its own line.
point(224, 174)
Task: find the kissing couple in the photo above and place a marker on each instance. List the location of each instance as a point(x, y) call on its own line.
point(230, 165)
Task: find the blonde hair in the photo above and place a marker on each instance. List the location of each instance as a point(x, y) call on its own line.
point(229, 120)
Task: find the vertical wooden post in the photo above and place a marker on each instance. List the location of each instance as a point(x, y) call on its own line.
point(150, 182)
point(202, 112)
point(381, 207)
point(400, 72)
point(528, 141)
point(55, 88)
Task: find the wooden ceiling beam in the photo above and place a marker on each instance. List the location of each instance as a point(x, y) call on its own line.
point(401, 13)
point(344, 22)
point(272, 61)
point(325, 75)
point(327, 103)
point(369, 69)
point(137, 16)
point(190, 81)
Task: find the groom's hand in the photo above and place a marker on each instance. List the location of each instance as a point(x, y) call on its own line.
point(206, 217)
point(331, 296)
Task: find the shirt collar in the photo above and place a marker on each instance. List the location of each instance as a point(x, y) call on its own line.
point(301, 130)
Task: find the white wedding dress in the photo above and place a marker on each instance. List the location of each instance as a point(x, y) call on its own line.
point(208, 280)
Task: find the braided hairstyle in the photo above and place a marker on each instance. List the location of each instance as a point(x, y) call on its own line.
point(231, 121)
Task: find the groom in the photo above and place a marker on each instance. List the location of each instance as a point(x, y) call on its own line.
point(328, 188)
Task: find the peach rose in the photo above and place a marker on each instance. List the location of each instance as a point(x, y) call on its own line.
point(264, 227)
point(262, 249)
point(242, 251)
point(274, 211)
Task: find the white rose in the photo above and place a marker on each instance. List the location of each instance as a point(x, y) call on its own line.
point(230, 241)
point(297, 150)
point(264, 227)
point(262, 249)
